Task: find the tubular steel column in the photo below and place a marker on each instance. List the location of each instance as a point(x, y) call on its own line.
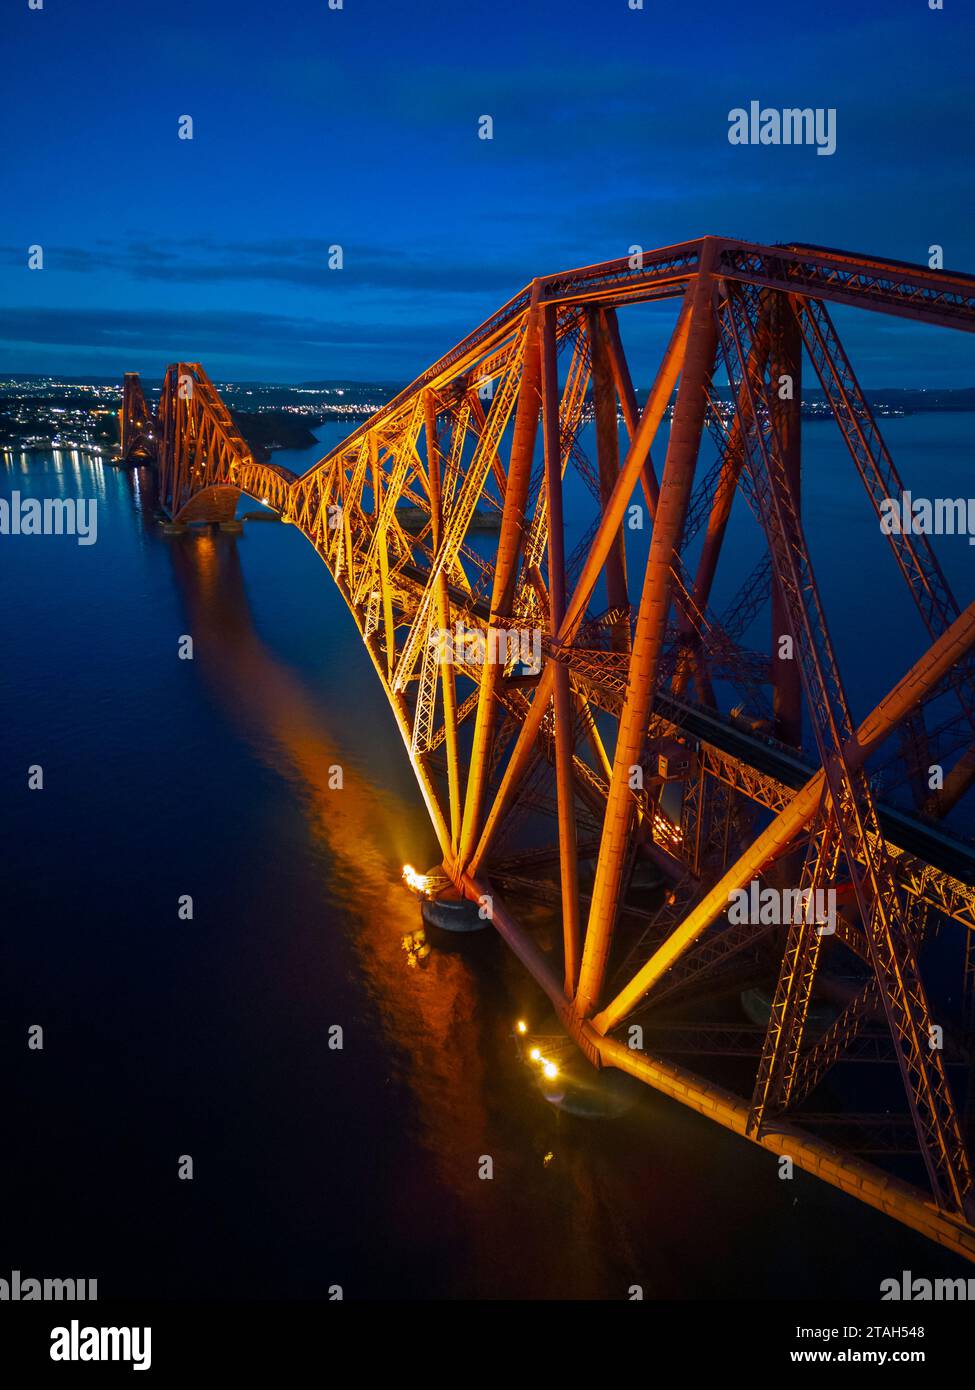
point(675, 489)
point(401, 713)
point(627, 397)
point(565, 791)
point(447, 682)
point(878, 725)
point(634, 468)
point(506, 569)
point(732, 462)
point(620, 370)
point(385, 589)
point(608, 458)
point(786, 363)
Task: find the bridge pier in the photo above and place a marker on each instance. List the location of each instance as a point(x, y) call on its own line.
point(848, 1172)
point(217, 504)
point(453, 914)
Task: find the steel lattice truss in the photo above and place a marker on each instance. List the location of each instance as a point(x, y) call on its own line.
point(775, 784)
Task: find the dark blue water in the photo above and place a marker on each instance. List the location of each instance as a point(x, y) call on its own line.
point(210, 1037)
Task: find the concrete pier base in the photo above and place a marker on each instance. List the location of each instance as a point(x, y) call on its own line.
point(454, 914)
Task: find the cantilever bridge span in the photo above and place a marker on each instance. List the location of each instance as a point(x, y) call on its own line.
point(654, 743)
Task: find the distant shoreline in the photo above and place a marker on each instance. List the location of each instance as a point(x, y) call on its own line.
point(108, 452)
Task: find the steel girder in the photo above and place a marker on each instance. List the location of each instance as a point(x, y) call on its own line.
point(493, 429)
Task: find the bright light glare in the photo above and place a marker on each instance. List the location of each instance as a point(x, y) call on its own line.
point(418, 882)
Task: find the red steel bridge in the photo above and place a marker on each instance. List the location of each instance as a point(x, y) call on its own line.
point(656, 763)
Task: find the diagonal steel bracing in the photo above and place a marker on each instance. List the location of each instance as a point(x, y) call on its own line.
point(497, 429)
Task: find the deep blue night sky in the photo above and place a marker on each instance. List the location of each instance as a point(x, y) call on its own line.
point(359, 127)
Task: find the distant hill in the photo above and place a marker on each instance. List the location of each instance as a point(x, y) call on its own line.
point(907, 398)
point(373, 394)
point(274, 429)
point(923, 398)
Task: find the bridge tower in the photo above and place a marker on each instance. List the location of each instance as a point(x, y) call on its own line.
point(645, 758)
point(137, 427)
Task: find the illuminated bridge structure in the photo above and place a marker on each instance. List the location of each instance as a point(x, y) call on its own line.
point(654, 745)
